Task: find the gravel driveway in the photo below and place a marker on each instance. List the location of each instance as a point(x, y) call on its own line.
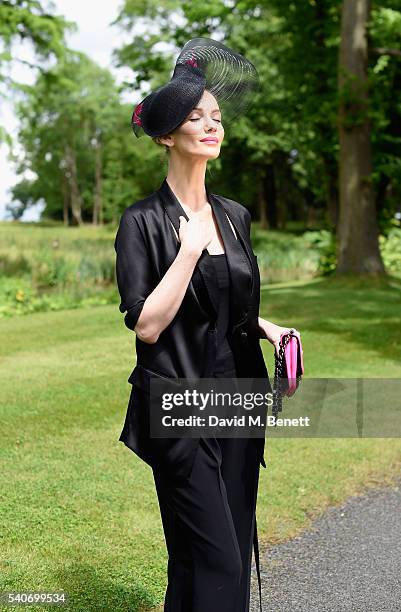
point(348, 561)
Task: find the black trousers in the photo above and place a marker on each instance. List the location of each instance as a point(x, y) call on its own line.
point(209, 524)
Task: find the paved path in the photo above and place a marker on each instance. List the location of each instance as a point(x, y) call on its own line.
point(348, 561)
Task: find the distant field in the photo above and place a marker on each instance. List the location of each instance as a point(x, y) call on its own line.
point(50, 267)
point(79, 510)
point(54, 267)
point(47, 266)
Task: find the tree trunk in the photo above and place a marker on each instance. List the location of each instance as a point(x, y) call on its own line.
point(66, 198)
point(271, 195)
point(357, 232)
point(311, 217)
point(75, 195)
point(332, 200)
point(262, 203)
point(97, 218)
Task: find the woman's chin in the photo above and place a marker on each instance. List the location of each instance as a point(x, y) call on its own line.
point(213, 153)
point(205, 155)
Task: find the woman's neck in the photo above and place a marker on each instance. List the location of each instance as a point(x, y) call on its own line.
point(188, 185)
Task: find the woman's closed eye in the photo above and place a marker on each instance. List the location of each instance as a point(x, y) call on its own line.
point(197, 119)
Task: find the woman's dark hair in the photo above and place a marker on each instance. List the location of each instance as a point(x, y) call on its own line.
point(160, 144)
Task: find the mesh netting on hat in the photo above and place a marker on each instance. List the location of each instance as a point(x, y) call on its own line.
point(230, 77)
point(202, 64)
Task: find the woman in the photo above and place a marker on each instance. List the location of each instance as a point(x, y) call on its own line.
point(189, 284)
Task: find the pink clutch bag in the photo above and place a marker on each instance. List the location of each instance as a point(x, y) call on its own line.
point(289, 367)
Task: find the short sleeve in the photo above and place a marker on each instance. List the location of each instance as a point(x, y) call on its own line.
point(133, 268)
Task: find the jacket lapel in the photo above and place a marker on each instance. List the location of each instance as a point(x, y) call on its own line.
point(204, 279)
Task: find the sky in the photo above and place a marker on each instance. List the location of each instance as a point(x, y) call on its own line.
point(96, 38)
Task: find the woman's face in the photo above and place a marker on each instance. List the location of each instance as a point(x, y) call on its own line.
point(203, 122)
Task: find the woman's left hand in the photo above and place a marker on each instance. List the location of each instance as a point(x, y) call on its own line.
point(272, 332)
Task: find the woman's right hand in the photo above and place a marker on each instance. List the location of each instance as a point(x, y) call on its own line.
point(196, 233)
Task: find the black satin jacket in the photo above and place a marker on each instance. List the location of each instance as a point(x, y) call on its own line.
point(146, 246)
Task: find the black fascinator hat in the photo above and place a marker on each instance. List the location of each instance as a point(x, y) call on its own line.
point(203, 63)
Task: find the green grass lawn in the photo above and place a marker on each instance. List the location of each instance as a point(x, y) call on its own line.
point(79, 510)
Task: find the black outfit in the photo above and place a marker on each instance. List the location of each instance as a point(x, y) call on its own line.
point(146, 246)
point(209, 523)
point(224, 356)
point(206, 487)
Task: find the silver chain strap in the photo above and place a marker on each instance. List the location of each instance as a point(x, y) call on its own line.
point(279, 384)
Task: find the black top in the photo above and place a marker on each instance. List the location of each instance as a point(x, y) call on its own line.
point(224, 358)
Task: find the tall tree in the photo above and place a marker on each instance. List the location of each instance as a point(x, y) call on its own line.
point(357, 232)
point(28, 20)
point(65, 118)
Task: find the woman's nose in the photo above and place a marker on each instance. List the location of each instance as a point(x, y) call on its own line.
point(210, 124)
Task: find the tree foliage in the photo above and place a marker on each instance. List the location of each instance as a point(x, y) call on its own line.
point(281, 158)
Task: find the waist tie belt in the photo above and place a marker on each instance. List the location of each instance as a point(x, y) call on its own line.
point(256, 552)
